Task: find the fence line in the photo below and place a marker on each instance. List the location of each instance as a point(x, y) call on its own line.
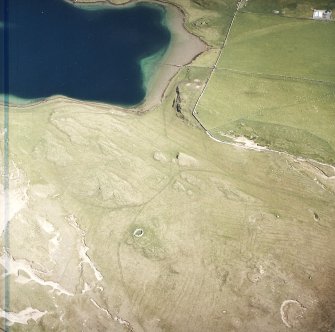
point(214, 67)
point(268, 75)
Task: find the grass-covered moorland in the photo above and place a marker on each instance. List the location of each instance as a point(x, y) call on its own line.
point(131, 221)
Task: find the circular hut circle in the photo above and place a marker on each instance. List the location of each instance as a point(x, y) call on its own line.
point(138, 232)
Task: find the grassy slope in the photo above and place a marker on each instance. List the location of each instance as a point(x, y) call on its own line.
point(216, 224)
point(294, 115)
point(225, 242)
point(281, 108)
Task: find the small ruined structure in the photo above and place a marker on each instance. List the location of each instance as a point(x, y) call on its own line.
point(322, 14)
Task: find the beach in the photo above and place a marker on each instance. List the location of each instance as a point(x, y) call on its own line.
point(184, 47)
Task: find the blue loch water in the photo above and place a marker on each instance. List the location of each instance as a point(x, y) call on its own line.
point(51, 47)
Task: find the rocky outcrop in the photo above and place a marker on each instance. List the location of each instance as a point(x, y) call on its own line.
point(177, 103)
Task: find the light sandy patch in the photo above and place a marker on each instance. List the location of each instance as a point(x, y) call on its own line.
point(23, 316)
point(186, 160)
point(55, 240)
point(17, 195)
point(15, 266)
point(54, 245)
point(45, 225)
point(291, 312)
point(86, 288)
point(160, 156)
point(83, 249)
point(249, 143)
point(115, 318)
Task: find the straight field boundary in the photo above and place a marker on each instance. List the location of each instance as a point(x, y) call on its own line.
point(239, 4)
point(276, 76)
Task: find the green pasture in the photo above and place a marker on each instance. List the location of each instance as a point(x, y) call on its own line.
point(275, 85)
point(281, 46)
point(233, 98)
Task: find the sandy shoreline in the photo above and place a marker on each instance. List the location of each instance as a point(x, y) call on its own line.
point(183, 48)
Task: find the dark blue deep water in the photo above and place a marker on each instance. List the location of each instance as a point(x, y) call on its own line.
point(55, 48)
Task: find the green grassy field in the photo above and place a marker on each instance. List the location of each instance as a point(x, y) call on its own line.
point(283, 46)
point(265, 78)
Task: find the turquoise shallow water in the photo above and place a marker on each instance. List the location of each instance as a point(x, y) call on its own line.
point(55, 48)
